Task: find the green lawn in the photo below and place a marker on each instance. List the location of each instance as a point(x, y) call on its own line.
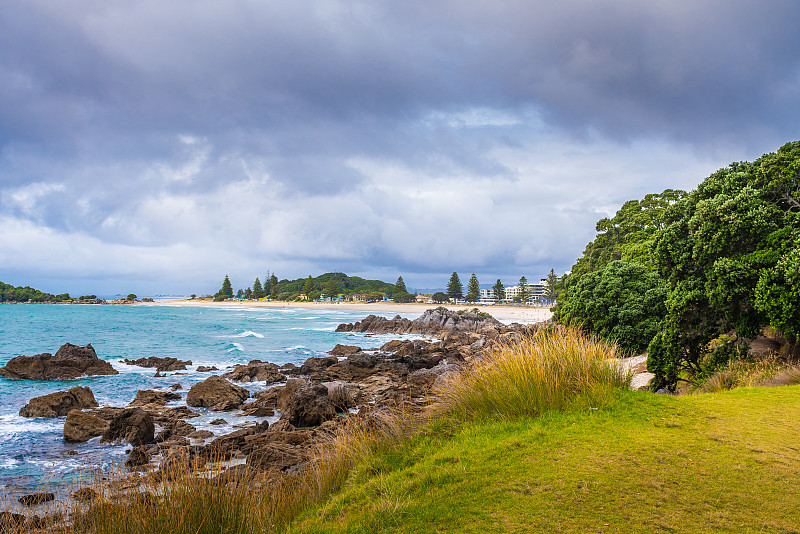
point(725, 462)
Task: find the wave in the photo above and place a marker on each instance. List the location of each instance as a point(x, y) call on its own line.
point(236, 346)
point(249, 333)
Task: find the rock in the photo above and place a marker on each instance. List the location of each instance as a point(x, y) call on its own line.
point(663, 391)
point(81, 426)
point(59, 403)
point(149, 396)
point(344, 350)
point(11, 522)
point(71, 361)
point(255, 410)
point(225, 446)
point(175, 387)
point(162, 365)
point(218, 422)
point(275, 456)
point(340, 396)
point(85, 495)
point(133, 425)
point(426, 377)
point(314, 364)
point(206, 369)
point(431, 322)
point(256, 371)
point(137, 458)
point(200, 434)
point(309, 405)
point(36, 498)
point(173, 429)
point(216, 393)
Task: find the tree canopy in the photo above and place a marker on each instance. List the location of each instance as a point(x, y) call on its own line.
point(499, 291)
point(455, 290)
point(473, 289)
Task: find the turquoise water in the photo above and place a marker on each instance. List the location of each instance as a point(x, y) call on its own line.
point(32, 451)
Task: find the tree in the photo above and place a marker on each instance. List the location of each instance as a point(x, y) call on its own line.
point(473, 289)
point(226, 292)
point(309, 286)
point(131, 297)
point(403, 296)
point(524, 291)
point(454, 288)
point(439, 297)
point(551, 287)
point(332, 288)
point(400, 286)
point(499, 291)
point(623, 303)
point(248, 293)
point(258, 290)
point(240, 293)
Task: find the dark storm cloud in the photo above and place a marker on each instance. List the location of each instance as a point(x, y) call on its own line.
point(130, 122)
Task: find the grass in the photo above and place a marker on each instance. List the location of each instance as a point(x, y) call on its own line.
point(726, 462)
point(551, 370)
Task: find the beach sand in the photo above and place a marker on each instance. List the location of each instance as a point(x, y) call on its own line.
point(505, 314)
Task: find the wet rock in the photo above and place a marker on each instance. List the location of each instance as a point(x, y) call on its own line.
point(36, 498)
point(218, 422)
point(256, 371)
point(149, 396)
point(137, 458)
point(81, 426)
point(59, 403)
point(162, 365)
point(85, 495)
point(70, 361)
point(315, 364)
point(174, 429)
point(225, 446)
point(255, 410)
point(344, 350)
point(216, 393)
point(200, 434)
point(206, 369)
point(133, 425)
point(309, 405)
point(175, 387)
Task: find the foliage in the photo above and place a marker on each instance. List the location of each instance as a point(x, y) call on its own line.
point(331, 288)
point(473, 289)
point(258, 290)
point(226, 291)
point(551, 286)
point(728, 255)
point(131, 296)
point(403, 297)
point(87, 297)
point(440, 297)
point(524, 292)
point(309, 286)
point(455, 290)
point(622, 302)
point(248, 293)
point(499, 291)
point(400, 285)
point(9, 293)
point(348, 285)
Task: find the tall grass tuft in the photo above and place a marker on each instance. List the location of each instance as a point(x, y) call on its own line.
point(551, 369)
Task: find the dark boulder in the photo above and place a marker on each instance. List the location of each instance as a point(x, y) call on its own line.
point(71, 361)
point(256, 371)
point(315, 364)
point(59, 403)
point(85, 495)
point(432, 322)
point(309, 405)
point(36, 498)
point(344, 350)
point(133, 425)
point(149, 396)
point(137, 458)
point(162, 365)
point(216, 393)
point(81, 426)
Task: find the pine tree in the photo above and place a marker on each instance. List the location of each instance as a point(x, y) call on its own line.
point(454, 288)
point(552, 282)
point(331, 288)
point(473, 289)
point(524, 292)
point(240, 294)
point(499, 291)
point(248, 293)
point(258, 291)
point(400, 286)
point(227, 291)
point(309, 286)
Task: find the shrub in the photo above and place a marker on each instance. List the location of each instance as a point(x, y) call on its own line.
point(548, 370)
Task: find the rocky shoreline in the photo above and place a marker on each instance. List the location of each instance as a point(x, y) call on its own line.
point(311, 400)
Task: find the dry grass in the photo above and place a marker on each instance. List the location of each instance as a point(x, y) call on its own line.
point(746, 373)
point(548, 370)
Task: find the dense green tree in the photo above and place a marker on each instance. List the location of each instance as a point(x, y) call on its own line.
point(400, 285)
point(473, 289)
point(226, 292)
point(622, 302)
point(9, 293)
point(499, 291)
point(524, 291)
point(332, 288)
point(439, 297)
point(258, 289)
point(240, 293)
point(248, 293)
point(551, 285)
point(727, 255)
point(131, 296)
point(455, 290)
point(309, 286)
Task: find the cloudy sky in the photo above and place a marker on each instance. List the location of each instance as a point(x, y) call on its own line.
point(154, 146)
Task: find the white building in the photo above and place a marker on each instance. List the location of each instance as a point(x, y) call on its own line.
point(536, 294)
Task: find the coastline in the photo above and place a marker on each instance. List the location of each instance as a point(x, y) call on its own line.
point(504, 314)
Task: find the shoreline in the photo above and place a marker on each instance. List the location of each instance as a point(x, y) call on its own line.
point(504, 314)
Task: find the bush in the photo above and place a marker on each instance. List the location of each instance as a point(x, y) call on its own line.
point(549, 370)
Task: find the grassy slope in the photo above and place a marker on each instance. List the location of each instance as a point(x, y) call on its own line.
point(727, 462)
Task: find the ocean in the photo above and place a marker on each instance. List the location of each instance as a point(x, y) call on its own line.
point(32, 451)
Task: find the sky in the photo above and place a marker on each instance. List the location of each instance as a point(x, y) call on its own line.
point(153, 147)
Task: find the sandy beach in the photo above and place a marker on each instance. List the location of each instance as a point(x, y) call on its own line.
point(505, 314)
